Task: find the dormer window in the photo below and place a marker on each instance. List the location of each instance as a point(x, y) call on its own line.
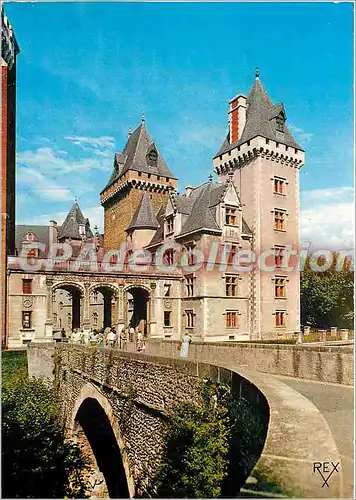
point(280, 123)
point(30, 237)
point(152, 157)
point(81, 229)
point(170, 224)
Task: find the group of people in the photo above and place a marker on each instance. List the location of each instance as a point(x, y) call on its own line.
point(107, 337)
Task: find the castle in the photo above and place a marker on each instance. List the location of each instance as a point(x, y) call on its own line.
point(250, 215)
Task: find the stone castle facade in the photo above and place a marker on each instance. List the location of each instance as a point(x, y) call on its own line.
point(224, 245)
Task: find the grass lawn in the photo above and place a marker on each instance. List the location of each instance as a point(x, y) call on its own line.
point(13, 363)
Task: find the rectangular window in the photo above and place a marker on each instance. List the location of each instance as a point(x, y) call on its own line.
point(190, 254)
point(230, 216)
point(279, 255)
point(170, 224)
point(232, 254)
point(26, 319)
point(280, 318)
point(168, 257)
point(279, 185)
point(189, 283)
point(26, 286)
point(55, 318)
point(280, 287)
point(279, 220)
point(231, 319)
point(167, 290)
point(95, 319)
point(231, 286)
point(167, 318)
point(189, 319)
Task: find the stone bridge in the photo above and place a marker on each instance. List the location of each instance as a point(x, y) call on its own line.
point(116, 403)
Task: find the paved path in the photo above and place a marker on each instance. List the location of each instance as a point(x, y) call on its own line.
point(336, 403)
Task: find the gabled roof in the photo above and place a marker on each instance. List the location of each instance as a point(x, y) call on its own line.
point(260, 121)
point(41, 234)
point(70, 226)
point(134, 156)
point(144, 217)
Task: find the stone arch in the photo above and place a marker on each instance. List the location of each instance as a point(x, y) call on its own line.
point(110, 294)
point(114, 289)
point(138, 307)
point(76, 290)
point(90, 395)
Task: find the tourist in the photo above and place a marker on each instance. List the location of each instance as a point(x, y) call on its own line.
point(123, 339)
point(131, 334)
point(185, 345)
point(111, 338)
point(63, 333)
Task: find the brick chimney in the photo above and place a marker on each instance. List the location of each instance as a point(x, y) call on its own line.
point(237, 117)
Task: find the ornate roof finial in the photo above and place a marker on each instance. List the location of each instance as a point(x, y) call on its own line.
point(257, 73)
point(210, 178)
point(231, 175)
point(143, 117)
point(75, 199)
point(130, 131)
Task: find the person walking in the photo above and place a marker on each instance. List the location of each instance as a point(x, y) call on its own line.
point(186, 341)
point(131, 333)
point(123, 339)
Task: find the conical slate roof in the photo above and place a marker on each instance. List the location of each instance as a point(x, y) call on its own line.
point(135, 156)
point(70, 226)
point(260, 121)
point(144, 217)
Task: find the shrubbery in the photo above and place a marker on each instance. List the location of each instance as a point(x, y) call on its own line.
point(37, 462)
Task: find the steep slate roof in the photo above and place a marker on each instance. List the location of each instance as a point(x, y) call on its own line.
point(70, 226)
point(134, 156)
point(260, 121)
point(21, 230)
point(202, 215)
point(159, 234)
point(144, 217)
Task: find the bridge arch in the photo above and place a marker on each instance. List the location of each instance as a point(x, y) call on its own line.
point(94, 414)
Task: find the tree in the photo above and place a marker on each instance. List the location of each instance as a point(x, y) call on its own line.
point(37, 461)
point(196, 444)
point(327, 297)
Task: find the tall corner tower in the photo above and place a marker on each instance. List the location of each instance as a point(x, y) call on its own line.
point(9, 52)
point(265, 159)
point(138, 168)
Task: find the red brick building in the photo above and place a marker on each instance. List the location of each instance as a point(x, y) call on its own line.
point(9, 52)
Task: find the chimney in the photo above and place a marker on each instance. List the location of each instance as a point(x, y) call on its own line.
point(53, 232)
point(188, 190)
point(237, 114)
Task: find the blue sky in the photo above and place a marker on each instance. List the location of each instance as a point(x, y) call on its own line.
point(87, 71)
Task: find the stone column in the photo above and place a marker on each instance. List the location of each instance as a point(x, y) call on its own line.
point(300, 337)
point(120, 320)
point(333, 330)
point(86, 307)
point(322, 334)
point(153, 322)
point(306, 330)
point(344, 334)
point(49, 319)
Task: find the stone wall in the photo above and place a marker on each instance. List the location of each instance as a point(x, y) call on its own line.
point(40, 360)
point(333, 364)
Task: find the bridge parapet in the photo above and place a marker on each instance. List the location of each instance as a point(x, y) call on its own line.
point(138, 391)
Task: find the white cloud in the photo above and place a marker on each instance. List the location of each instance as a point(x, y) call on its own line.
point(47, 159)
point(95, 143)
point(327, 218)
point(47, 189)
point(300, 134)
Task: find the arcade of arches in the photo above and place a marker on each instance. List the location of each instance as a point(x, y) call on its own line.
point(99, 306)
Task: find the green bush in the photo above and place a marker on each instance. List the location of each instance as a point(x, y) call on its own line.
point(37, 462)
